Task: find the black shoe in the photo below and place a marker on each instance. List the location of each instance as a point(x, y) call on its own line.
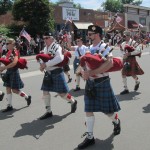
point(117, 127)
point(2, 96)
point(9, 108)
point(73, 107)
point(46, 115)
point(136, 86)
point(69, 80)
point(87, 142)
point(77, 89)
point(124, 92)
point(28, 100)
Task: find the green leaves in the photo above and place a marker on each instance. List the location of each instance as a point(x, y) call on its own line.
point(37, 14)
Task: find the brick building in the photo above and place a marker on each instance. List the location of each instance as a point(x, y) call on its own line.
point(81, 18)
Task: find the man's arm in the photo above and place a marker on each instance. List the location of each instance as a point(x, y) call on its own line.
point(57, 59)
point(103, 68)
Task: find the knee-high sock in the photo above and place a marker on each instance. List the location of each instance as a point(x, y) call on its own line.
point(113, 117)
point(136, 80)
point(78, 80)
point(47, 101)
point(9, 99)
point(22, 94)
point(90, 125)
point(125, 83)
point(69, 98)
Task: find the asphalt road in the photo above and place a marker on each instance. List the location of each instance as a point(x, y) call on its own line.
point(21, 129)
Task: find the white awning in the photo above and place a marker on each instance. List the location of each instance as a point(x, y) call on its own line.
point(82, 25)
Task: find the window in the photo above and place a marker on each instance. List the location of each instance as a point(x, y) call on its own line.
point(142, 21)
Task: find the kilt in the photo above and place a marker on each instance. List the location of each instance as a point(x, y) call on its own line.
point(75, 64)
point(58, 85)
point(133, 69)
point(104, 100)
point(66, 68)
point(14, 81)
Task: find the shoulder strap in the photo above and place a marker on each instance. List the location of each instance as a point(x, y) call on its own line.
point(97, 51)
point(79, 52)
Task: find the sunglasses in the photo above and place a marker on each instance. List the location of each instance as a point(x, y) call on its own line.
point(90, 34)
point(78, 41)
point(8, 43)
point(45, 38)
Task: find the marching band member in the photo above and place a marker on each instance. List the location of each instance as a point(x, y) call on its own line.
point(1, 93)
point(13, 82)
point(56, 76)
point(80, 50)
point(131, 67)
point(99, 95)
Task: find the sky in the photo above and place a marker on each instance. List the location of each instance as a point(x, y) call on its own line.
point(95, 4)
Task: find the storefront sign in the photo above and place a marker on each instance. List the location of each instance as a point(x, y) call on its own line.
point(70, 13)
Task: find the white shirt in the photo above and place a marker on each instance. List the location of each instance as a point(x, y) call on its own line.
point(55, 50)
point(82, 50)
point(131, 43)
point(99, 47)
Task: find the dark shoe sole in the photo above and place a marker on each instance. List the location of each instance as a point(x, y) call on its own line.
point(28, 100)
point(2, 96)
point(124, 92)
point(74, 107)
point(7, 110)
point(136, 87)
point(85, 145)
point(118, 129)
point(46, 116)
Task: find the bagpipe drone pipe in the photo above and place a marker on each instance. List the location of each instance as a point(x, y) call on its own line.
point(21, 64)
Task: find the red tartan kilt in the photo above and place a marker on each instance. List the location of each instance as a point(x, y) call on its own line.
point(134, 68)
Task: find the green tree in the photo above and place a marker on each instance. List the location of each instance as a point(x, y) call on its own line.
point(75, 5)
point(4, 30)
point(5, 5)
point(117, 5)
point(37, 14)
point(112, 5)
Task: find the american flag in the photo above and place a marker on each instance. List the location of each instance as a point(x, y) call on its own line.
point(25, 34)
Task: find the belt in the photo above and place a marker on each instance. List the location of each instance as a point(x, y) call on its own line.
point(101, 79)
point(56, 71)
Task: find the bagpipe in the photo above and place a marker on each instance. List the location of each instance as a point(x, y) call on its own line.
point(21, 64)
point(46, 57)
point(96, 60)
point(130, 48)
